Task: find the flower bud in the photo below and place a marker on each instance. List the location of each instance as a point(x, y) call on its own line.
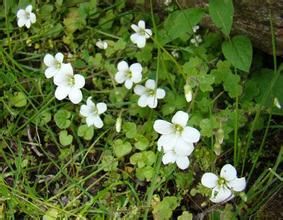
point(118, 124)
point(277, 103)
point(188, 92)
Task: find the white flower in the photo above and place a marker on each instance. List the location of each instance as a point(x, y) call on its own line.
point(175, 54)
point(69, 85)
point(54, 64)
point(188, 93)
point(167, 2)
point(195, 28)
point(129, 75)
point(196, 40)
point(149, 94)
point(102, 44)
point(26, 17)
point(176, 139)
point(92, 112)
point(223, 187)
point(276, 103)
point(139, 38)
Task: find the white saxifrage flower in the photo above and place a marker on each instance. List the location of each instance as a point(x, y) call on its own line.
point(149, 94)
point(26, 17)
point(128, 75)
point(92, 112)
point(223, 187)
point(176, 139)
point(196, 40)
point(142, 34)
point(102, 44)
point(54, 64)
point(69, 85)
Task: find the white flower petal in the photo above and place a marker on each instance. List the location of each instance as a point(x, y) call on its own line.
point(90, 120)
point(163, 127)
point(89, 102)
point(136, 77)
point(167, 142)
point(128, 84)
point(169, 157)
point(32, 18)
point(62, 92)
point(61, 79)
point(21, 22)
point(21, 13)
point(142, 102)
point(98, 122)
point(150, 84)
point(228, 172)
point(120, 77)
point(50, 72)
point(75, 95)
point(101, 107)
point(136, 68)
point(28, 23)
point(190, 134)
point(160, 93)
point(135, 27)
point(66, 68)
point(123, 66)
point(182, 162)
point(183, 148)
point(79, 81)
point(141, 42)
point(85, 110)
point(180, 118)
point(29, 8)
point(148, 33)
point(141, 24)
point(139, 90)
point(221, 194)
point(152, 102)
point(138, 39)
point(238, 184)
point(209, 180)
point(59, 57)
point(48, 60)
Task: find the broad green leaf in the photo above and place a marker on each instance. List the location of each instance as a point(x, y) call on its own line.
point(65, 138)
point(86, 132)
point(121, 148)
point(185, 216)
point(164, 209)
point(179, 23)
point(145, 173)
point(61, 118)
point(221, 13)
point(18, 99)
point(238, 51)
point(141, 142)
point(130, 129)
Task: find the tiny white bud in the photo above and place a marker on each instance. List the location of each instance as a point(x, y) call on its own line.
point(195, 28)
point(277, 103)
point(102, 44)
point(175, 54)
point(188, 93)
point(118, 124)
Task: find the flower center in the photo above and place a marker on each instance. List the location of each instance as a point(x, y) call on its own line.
point(178, 128)
point(71, 81)
point(94, 110)
point(221, 181)
point(57, 65)
point(151, 92)
point(27, 15)
point(129, 74)
point(141, 31)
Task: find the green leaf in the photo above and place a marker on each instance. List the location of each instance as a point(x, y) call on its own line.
point(61, 118)
point(185, 216)
point(121, 148)
point(207, 125)
point(145, 173)
point(239, 52)
point(18, 99)
point(141, 142)
point(86, 132)
point(65, 138)
point(130, 129)
point(179, 23)
point(221, 13)
point(164, 209)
